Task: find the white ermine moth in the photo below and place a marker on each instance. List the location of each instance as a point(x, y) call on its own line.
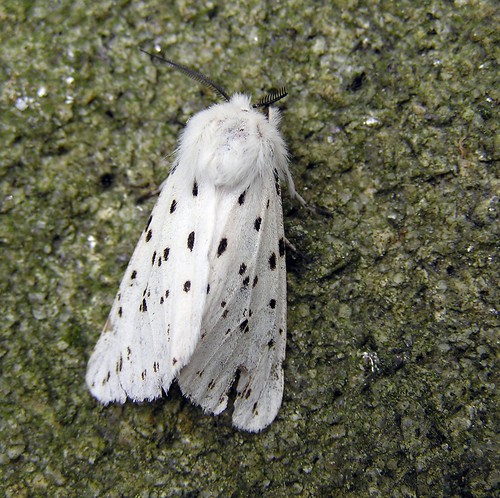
point(203, 299)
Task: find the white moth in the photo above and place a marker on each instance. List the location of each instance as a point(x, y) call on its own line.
point(203, 299)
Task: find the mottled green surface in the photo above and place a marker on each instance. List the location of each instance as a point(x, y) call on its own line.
point(392, 124)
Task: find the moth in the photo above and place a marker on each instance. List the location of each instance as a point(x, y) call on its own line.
point(203, 300)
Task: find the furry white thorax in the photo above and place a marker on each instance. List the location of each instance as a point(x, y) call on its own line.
point(232, 144)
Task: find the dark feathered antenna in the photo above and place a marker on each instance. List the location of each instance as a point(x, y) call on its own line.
point(272, 97)
point(194, 75)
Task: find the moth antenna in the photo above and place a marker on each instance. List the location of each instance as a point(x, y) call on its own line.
point(191, 73)
point(272, 97)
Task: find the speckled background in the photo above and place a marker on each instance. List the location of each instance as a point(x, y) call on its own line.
point(392, 125)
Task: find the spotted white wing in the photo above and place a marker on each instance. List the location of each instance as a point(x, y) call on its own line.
point(243, 329)
point(154, 323)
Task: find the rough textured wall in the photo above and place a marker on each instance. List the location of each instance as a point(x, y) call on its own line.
point(392, 126)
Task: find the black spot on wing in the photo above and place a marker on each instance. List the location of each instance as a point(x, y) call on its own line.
point(277, 181)
point(149, 223)
point(255, 280)
point(272, 303)
point(222, 247)
point(195, 189)
point(272, 261)
point(106, 379)
point(149, 235)
point(187, 286)
point(166, 252)
point(190, 241)
point(173, 206)
point(241, 198)
point(281, 246)
point(257, 223)
point(243, 268)
point(244, 326)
